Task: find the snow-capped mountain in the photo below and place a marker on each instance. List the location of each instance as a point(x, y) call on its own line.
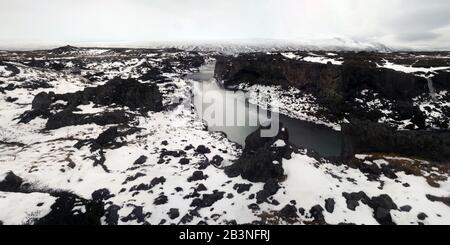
point(269, 45)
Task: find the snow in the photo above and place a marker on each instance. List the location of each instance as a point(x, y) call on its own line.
point(298, 105)
point(290, 55)
point(4, 72)
point(89, 109)
point(322, 60)
point(411, 69)
point(95, 52)
point(314, 58)
point(310, 182)
point(21, 209)
point(279, 143)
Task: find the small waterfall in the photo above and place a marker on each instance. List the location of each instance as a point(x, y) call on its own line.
point(431, 88)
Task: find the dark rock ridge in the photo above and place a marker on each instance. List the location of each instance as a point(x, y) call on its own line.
point(119, 92)
point(367, 137)
point(261, 160)
point(122, 92)
point(65, 49)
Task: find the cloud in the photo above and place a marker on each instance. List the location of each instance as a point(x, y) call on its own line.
point(408, 23)
point(416, 36)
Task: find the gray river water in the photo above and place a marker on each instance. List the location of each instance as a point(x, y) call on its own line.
point(229, 105)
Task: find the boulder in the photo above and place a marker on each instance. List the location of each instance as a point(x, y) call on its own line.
point(10, 183)
point(261, 160)
point(42, 101)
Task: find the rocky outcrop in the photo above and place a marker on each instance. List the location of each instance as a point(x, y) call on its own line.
point(66, 211)
point(121, 92)
point(68, 118)
point(118, 92)
point(261, 159)
point(10, 183)
point(367, 137)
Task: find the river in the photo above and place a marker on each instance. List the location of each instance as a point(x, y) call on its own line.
point(229, 105)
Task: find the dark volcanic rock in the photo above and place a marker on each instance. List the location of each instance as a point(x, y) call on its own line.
point(353, 199)
point(207, 200)
point(101, 195)
point(257, 163)
point(137, 214)
point(133, 177)
point(63, 213)
point(317, 213)
point(141, 160)
point(382, 205)
point(184, 161)
point(118, 92)
point(254, 207)
point(289, 212)
point(173, 213)
point(422, 216)
point(217, 160)
point(162, 199)
point(201, 149)
point(405, 208)
point(156, 181)
point(201, 187)
point(445, 200)
point(42, 101)
point(123, 92)
point(196, 176)
point(367, 137)
point(11, 183)
point(240, 188)
point(112, 215)
point(329, 205)
point(68, 118)
point(165, 152)
point(108, 138)
point(271, 187)
point(40, 107)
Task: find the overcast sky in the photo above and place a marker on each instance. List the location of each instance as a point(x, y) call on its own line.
point(409, 23)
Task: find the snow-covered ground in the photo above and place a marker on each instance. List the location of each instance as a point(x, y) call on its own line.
point(429, 71)
point(291, 102)
point(314, 58)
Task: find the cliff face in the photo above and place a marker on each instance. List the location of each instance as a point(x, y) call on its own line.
point(335, 87)
point(364, 137)
point(343, 80)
